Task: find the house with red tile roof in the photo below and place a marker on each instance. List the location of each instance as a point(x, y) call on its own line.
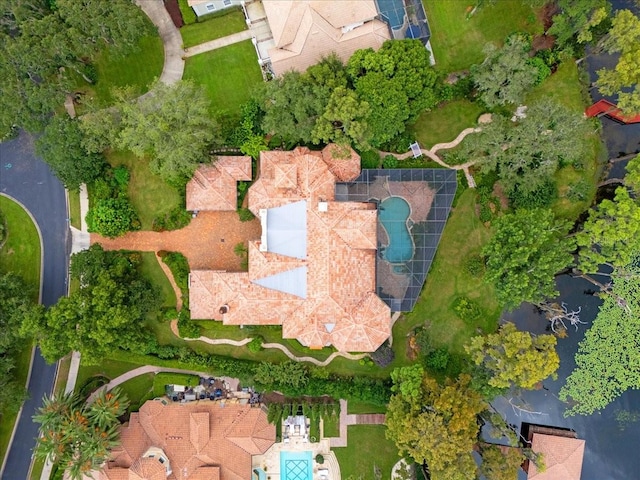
point(313, 270)
point(562, 453)
point(189, 441)
point(213, 186)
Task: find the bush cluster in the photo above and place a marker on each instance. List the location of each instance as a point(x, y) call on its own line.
point(369, 159)
point(466, 309)
point(111, 213)
point(174, 220)
point(541, 197)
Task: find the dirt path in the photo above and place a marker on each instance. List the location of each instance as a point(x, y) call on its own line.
point(207, 242)
point(431, 153)
point(172, 281)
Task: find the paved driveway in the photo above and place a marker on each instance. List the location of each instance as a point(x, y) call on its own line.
point(30, 181)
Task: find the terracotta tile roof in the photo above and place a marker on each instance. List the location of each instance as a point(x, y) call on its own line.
point(562, 457)
point(340, 306)
point(306, 30)
point(213, 187)
point(201, 440)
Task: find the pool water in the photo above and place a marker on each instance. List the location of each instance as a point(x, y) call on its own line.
point(393, 12)
point(296, 465)
point(393, 214)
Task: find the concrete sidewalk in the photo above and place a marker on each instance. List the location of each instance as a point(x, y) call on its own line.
point(171, 39)
point(219, 43)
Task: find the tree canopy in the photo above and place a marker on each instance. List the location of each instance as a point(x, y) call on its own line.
point(606, 361)
point(437, 424)
point(527, 153)
point(76, 435)
point(172, 125)
point(365, 103)
point(624, 79)
point(61, 147)
point(505, 75)
point(577, 19)
point(515, 358)
point(105, 313)
point(527, 250)
point(16, 305)
point(41, 42)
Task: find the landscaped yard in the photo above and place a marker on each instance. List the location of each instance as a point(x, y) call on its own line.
point(564, 87)
point(448, 280)
point(217, 27)
point(228, 75)
point(368, 448)
point(151, 270)
point(443, 124)
point(74, 209)
point(457, 41)
point(149, 194)
point(20, 255)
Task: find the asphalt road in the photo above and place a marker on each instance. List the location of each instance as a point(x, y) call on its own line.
point(30, 181)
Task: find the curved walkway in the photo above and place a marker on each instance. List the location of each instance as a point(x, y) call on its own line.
point(431, 153)
point(277, 346)
point(171, 39)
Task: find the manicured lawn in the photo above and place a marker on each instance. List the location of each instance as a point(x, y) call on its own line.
point(74, 209)
point(457, 42)
point(443, 124)
point(464, 235)
point(138, 390)
point(137, 69)
point(21, 252)
point(109, 368)
point(564, 86)
point(331, 425)
point(228, 75)
point(150, 195)
point(151, 270)
point(367, 448)
point(162, 379)
point(217, 27)
point(362, 407)
point(20, 255)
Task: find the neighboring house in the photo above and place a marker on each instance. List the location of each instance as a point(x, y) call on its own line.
point(306, 30)
point(204, 7)
point(313, 271)
point(562, 453)
point(190, 441)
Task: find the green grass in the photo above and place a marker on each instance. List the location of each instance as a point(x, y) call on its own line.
point(188, 15)
point(138, 390)
point(162, 379)
point(228, 75)
point(109, 368)
point(21, 252)
point(457, 42)
point(149, 194)
point(137, 69)
point(217, 27)
point(20, 255)
point(364, 439)
point(75, 216)
point(464, 235)
point(363, 407)
point(443, 124)
point(331, 425)
point(151, 270)
point(565, 87)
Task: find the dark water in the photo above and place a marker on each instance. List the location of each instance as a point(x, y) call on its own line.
point(612, 450)
point(611, 453)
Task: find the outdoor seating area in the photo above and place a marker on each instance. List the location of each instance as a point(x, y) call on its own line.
point(295, 426)
point(212, 389)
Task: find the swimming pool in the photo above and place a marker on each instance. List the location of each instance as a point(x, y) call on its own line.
point(393, 214)
point(296, 465)
point(392, 11)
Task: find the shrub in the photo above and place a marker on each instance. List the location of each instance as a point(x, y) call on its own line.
point(179, 267)
point(538, 198)
point(3, 228)
point(255, 345)
point(543, 69)
point(474, 265)
point(112, 217)
point(186, 327)
point(174, 220)
point(390, 162)
point(319, 459)
point(438, 359)
point(188, 15)
point(466, 309)
point(245, 215)
point(399, 144)
point(121, 177)
point(370, 159)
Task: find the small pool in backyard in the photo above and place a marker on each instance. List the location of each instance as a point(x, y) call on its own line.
point(296, 465)
point(393, 213)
